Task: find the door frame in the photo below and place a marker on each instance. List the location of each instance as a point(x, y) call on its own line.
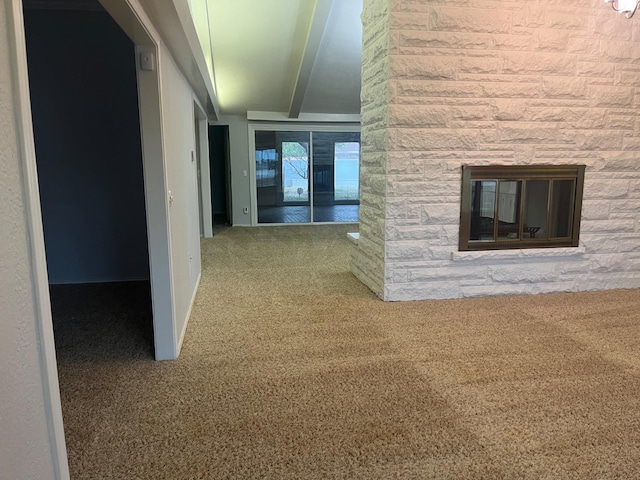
point(42, 302)
point(203, 168)
point(134, 21)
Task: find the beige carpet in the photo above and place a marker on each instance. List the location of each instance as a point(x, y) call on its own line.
point(292, 369)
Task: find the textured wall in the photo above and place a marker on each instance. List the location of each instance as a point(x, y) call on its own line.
point(482, 82)
point(181, 174)
point(367, 258)
point(25, 450)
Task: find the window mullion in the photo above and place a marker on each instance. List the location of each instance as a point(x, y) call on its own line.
point(496, 207)
point(523, 193)
point(571, 211)
point(549, 209)
point(311, 178)
point(577, 207)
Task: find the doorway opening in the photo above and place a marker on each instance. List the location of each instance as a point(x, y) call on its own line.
point(88, 152)
point(219, 160)
point(203, 175)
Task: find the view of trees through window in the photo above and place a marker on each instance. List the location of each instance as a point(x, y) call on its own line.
point(295, 171)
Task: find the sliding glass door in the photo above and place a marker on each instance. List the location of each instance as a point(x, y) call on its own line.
point(282, 176)
point(336, 192)
point(305, 176)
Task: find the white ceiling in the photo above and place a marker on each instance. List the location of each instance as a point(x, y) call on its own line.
point(292, 56)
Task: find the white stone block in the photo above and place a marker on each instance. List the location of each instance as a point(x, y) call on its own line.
point(530, 273)
point(595, 243)
point(450, 235)
point(446, 214)
point(405, 250)
point(470, 20)
point(608, 263)
point(595, 209)
point(436, 252)
point(613, 227)
point(429, 274)
point(427, 291)
point(492, 290)
point(418, 232)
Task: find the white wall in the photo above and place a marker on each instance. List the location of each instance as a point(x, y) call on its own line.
point(26, 436)
point(168, 135)
point(181, 174)
point(239, 152)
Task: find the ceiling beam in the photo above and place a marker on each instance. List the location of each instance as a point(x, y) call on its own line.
point(316, 31)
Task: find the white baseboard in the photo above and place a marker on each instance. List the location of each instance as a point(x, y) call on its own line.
point(186, 321)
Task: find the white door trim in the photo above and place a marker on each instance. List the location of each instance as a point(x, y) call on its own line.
point(40, 278)
point(165, 336)
point(132, 18)
point(202, 131)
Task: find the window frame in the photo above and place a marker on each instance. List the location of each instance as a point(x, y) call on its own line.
point(521, 173)
point(255, 125)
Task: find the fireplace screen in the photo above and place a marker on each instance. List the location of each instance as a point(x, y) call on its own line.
point(520, 206)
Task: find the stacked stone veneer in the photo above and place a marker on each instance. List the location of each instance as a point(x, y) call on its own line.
point(481, 82)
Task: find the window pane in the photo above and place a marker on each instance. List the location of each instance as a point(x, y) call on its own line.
point(265, 161)
point(535, 209)
point(336, 195)
point(282, 176)
point(295, 171)
point(483, 201)
point(509, 210)
point(561, 208)
point(346, 174)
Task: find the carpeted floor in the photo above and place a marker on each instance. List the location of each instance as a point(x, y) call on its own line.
point(292, 369)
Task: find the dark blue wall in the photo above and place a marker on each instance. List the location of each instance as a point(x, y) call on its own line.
point(88, 149)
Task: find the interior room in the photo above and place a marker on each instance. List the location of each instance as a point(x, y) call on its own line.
point(220, 176)
point(88, 148)
point(429, 265)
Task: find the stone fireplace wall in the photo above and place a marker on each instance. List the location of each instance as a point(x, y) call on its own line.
point(483, 82)
point(368, 256)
